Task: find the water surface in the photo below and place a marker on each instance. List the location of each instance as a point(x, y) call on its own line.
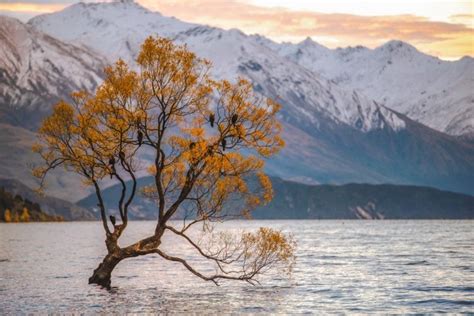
point(342, 266)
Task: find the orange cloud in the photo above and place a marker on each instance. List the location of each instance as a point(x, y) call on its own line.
point(37, 8)
point(466, 19)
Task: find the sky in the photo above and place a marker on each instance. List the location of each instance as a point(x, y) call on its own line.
point(443, 28)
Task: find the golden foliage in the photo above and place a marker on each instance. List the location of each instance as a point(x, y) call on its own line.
point(252, 252)
point(169, 102)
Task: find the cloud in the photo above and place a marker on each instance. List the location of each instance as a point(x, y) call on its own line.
point(36, 8)
point(25, 11)
point(466, 19)
point(451, 39)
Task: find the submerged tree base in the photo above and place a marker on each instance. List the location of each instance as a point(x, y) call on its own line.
point(102, 275)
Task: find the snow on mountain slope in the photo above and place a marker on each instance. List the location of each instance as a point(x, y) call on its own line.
point(117, 30)
point(36, 70)
point(306, 96)
point(434, 92)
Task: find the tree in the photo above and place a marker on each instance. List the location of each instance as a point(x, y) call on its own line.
point(25, 215)
point(208, 139)
point(16, 218)
point(7, 216)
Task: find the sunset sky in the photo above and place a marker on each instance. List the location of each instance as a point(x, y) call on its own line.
point(440, 28)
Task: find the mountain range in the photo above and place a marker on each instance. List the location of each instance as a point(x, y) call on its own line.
point(387, 115)
point(427, 89)
point(434, 92)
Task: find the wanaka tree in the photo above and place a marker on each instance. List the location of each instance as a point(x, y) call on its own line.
point(208, 139)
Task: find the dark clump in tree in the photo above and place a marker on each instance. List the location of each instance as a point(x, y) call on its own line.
point(212, 119)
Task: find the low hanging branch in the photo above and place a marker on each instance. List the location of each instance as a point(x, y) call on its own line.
point(209, 139)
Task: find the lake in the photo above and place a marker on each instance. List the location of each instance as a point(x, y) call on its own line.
point(342, 266)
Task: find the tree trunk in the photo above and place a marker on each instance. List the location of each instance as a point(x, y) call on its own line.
point(103, 273)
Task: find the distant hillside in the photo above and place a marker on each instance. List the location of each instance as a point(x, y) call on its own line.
point(14, 208)
point(51, 206)
point(17, 160)
point(141, 208)
point(351, 201)
point(300, 201)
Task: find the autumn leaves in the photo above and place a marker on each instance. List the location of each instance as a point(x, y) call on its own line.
point(198, 127)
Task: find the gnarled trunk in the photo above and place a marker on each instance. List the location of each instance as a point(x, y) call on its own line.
point(103, 273)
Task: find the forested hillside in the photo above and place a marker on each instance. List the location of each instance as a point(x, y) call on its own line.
point(15, 208)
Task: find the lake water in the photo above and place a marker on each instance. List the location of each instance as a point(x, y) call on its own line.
point(342, 266)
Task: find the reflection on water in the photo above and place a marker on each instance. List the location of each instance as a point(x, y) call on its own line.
point(342, 266)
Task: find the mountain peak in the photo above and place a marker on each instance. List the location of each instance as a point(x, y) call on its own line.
point(115, 4)
point(309, 42)
point(131, 3)
point(397, 45)
point(8, 21)
point(122, 19)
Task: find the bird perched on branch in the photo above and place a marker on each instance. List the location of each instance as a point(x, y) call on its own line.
point(235, 117)
point(212, 119)
point(112, 219)
point(112, 165)
point(224, 144)
point(140, 138)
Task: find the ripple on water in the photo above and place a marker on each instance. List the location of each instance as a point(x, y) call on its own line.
point(354, 267)
point(418, 263)
point(441, 301)
point(445, 289)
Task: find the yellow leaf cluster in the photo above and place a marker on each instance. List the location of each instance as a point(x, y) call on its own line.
point(268, 242)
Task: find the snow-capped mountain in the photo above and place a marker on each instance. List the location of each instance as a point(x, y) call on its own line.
point(434, 92)
point(117, 30)
point(333, 134)
point(37, 69)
